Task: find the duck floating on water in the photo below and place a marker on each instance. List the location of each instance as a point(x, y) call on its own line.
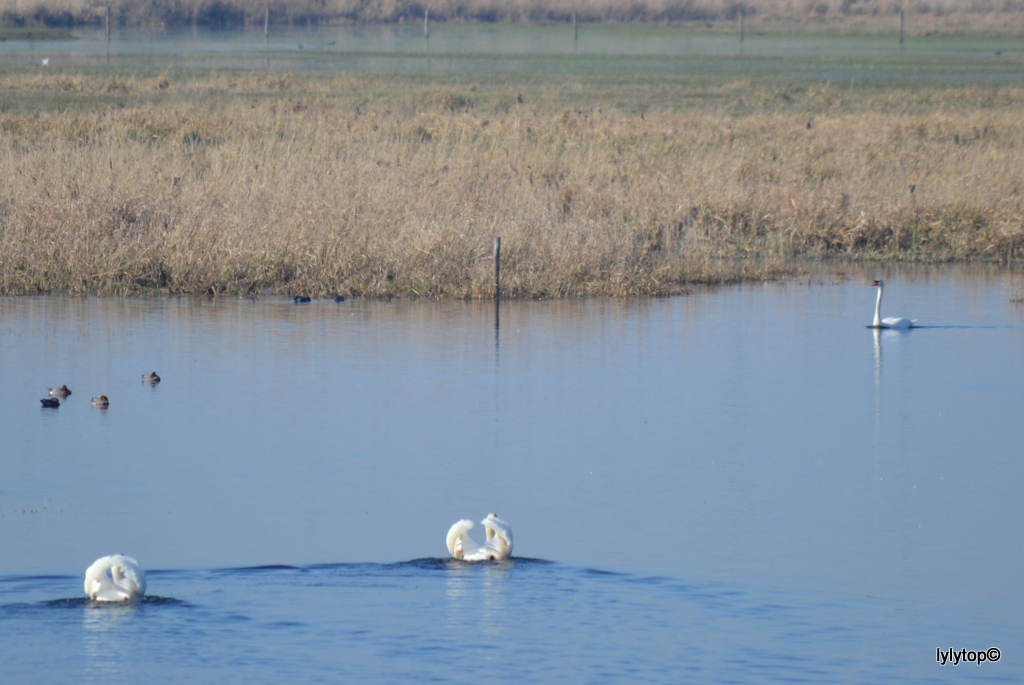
point(61, 392)
point(302, 299)
point(150, 378)
point(101, 402)
point(50, 402)
point(497, 547)
point(115, 578)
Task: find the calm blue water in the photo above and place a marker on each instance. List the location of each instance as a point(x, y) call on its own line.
point(738, 485)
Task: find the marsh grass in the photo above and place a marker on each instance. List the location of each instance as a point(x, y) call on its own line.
point(249, 183)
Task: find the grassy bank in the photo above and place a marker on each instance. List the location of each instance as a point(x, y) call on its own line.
point(328, 184)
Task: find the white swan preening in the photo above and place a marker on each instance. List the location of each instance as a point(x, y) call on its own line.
point(889, 321)
point(497, 547)
point(114, 579)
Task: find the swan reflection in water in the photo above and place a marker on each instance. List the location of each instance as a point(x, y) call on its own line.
point(880, 335)
point(477, 597)
point(109, 638)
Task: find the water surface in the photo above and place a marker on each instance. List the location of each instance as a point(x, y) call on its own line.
point(743, 484)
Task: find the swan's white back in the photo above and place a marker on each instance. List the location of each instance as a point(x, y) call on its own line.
point(115, 579)
point(459, 542)
point(497, 547)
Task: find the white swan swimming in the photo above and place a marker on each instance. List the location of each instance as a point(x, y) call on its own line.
point(497, 547)
point(114, 579)
point(889, 321)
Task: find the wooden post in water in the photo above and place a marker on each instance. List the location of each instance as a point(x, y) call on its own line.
point(108, 34)
point(901, 27)
point(426, 24)
point(497, 268)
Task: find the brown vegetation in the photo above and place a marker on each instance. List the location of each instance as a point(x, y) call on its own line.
point(332, 184)
point(926, 15)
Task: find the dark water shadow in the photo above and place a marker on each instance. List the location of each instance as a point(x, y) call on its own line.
point(429, 564)
point(940, 326)
point(268, 568)
point(444, 563)
point(86, 603)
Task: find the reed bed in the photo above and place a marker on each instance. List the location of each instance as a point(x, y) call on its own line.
point(249, 183)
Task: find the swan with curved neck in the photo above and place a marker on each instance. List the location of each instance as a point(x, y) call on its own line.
point(889, 321)
point(115, 579)
point(498, 545)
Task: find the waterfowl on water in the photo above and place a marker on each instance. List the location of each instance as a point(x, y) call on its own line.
point(889, 321)
point(101, 402)
point(302, 299)
point(151, 378)
point(51, 402)
point(497, 547)
point(115, 579)
point(61, 392)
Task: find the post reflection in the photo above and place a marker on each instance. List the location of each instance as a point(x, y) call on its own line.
point(497, 331)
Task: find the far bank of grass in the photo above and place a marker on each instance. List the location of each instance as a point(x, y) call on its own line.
point(323, 184)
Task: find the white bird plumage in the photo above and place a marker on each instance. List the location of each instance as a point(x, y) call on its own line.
point(114, 579)
point(889, 321)
point(497, 547)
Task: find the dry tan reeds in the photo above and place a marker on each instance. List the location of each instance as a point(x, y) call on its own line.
point(250, 183)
